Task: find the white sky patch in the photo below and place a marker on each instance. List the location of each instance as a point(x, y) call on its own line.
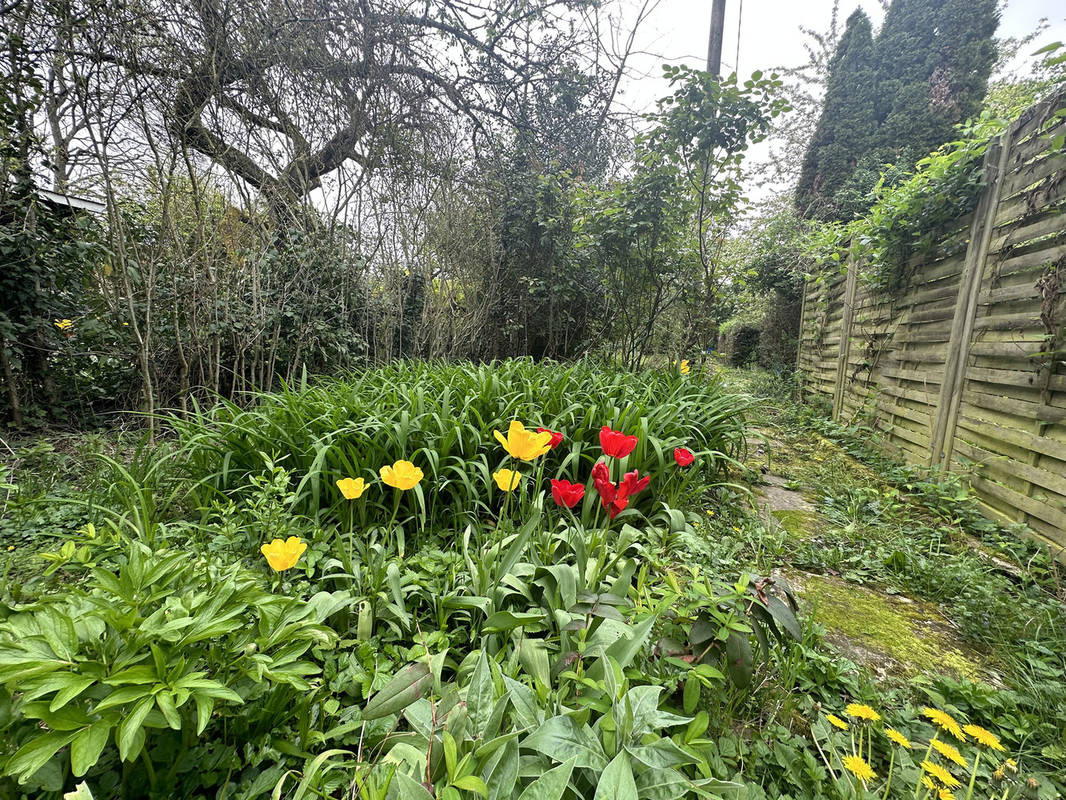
point(769, 36)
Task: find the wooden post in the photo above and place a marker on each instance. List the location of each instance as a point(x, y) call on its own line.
point(947, 414)
point(799, 336)
point(848, 315)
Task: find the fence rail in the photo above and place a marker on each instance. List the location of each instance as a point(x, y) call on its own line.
point(965, 367)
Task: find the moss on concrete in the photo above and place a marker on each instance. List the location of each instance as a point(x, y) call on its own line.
point(798, 523)
point(895, 634)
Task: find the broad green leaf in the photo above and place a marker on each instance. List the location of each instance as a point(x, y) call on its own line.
point(550, 785)
point(406, 686)
point(481, 695)
point(662, 784)
point(472, 783)
point(81, 792)
point(408, 788)
point(501, 771)
point(616, 782)
point(562, 739)
point(87, 747)
point(35, 754)
point(128, 729)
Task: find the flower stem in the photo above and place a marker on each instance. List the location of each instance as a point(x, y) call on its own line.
point(973, 775)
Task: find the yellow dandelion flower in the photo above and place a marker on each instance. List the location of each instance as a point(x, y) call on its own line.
point(949, 752)
point(860, 711)
point(927, 782)
point(837, 721)
point(999, 774)
point(859, 768)
point(983, 737)
point(1011, 764)
point(898, 738)
point(945, 794)
point(945, 722)
point(940, 774)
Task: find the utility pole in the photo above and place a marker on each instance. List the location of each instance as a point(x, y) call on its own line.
point(714, 45)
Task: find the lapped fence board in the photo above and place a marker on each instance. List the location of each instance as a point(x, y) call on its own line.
point(961, 368)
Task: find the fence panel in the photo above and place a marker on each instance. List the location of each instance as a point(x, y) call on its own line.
point(965, 366)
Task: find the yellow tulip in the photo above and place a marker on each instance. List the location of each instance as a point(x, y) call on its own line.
point(281, 555)
point(63, 324)
point(352, 488)
point(507, 479)
point(685, 368)
point(522, 444)
point(402, 475)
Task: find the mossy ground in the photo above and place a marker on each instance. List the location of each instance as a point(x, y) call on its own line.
point(893, 635)
point(797, 522)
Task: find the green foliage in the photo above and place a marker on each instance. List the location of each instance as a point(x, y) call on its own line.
point(847, 127)
point(442, 417)
point(892, 99)
point(911, 216)
point(650, 235)
point(933, 63)
point(144, 657)
point(525, 654)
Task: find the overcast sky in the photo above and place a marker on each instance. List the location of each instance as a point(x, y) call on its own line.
point(768, 35)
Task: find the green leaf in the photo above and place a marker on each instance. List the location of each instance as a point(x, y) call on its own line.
point(616, 782)
point(739, 662)
point(87, 747)
point(81, 792)
point(662, 784)
point(472, 783)
point(122, 696)
point(408, 788)
point(503, 621)
point(662, 754)
point(406, 686)
point(126, 735)
point(501, 772)
point(481, 694)
point(204, 706)
point(561, 738)
point(35, 754)
point(550, 785)
point(692, 693)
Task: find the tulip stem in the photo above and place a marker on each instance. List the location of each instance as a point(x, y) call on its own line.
point(395, 510)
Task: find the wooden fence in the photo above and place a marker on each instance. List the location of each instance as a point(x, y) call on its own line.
point(965, 367)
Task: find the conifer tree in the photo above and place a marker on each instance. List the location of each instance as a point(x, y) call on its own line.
point(895, 98)
point(933, 62)
point(848, 123)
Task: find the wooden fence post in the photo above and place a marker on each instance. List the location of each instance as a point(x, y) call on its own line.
point(847, 317)
point(947, 413)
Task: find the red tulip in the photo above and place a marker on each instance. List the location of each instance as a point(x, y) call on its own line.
point(557, 437)
point(567, 494)
point(683, 456)
point(616, 498)
point(630, 485)
point(601, 478)
point(615, 443)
